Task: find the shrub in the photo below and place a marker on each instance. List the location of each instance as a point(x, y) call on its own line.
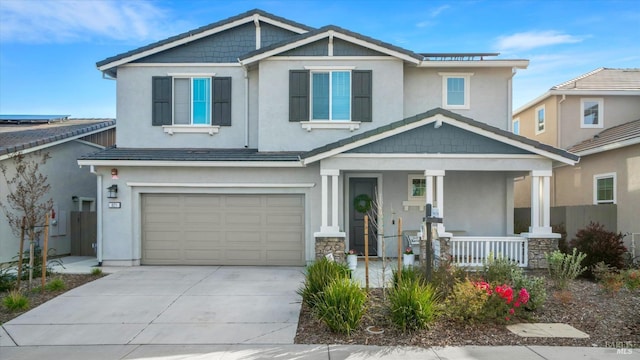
point(497, 270)
point(341, 306)
point(37, 262)
point(632, 279)
point(466, 302)
point(407, 275)
point(15, 301)
point(7, 278)
point(608, 277)
point(445, 276)
point(563, 246)
point(318, 276)
point(533, 284)
point(96, 271)
point(564, 267)
point(412, 305)
point(55, 285)
point(600, 245)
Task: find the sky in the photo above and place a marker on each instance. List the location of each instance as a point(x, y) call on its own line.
point(49, 48)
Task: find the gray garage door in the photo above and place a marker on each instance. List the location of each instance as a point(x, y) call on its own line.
point(200, 229)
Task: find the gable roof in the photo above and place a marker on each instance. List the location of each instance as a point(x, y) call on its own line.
point(434, 116)
point(192, 35)
point(612, 138)
point(326, 32)
point(26, 137)
point(601, 81)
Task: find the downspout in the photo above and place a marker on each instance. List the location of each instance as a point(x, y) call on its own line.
point(246, 106)
point(558, 144)
point(98, 215)
point(510, 99)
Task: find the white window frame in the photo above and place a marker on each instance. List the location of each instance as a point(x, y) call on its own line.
point(600, 123)
point(544, 119)
point(595, 188)
point(190, 128)
point(329, 69)
point(467, 89)
point(410, 195)
point(513, 126)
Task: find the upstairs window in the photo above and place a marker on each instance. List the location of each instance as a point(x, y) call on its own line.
point(604, 188)
point(540, 120)
point(331, 95)
point(456, 90)
point(591, 113)
point(516, 126)
point(191, 100)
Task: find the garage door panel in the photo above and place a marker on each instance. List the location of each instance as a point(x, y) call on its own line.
point(223, 229)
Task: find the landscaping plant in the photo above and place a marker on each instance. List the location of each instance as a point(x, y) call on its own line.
point(565, 267)
point(55, 285)
point(412, 305)
point(600, 245)
point(7, 278)
point(407, 274)
point(534, 285)
point(609, 278)
point(445, 276)
point(15, 301)
point(318, 276)
point(96, 271)
point(632, 279)
point(341, 305)
point(497, 269)
point(467, 301)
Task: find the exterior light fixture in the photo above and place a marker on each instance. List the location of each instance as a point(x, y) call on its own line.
point(112, 191)
point(114, 173)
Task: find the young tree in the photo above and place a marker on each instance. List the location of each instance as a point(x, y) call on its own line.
point(26, 200)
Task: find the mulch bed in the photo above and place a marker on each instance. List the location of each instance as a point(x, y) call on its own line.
point(607, 319)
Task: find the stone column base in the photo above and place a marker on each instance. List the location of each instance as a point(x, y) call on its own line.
point(538, 247)
point(330, 245)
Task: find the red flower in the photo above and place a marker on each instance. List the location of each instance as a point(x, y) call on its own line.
point(511, 311)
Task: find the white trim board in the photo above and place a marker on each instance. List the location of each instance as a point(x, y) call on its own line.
point(272, 164)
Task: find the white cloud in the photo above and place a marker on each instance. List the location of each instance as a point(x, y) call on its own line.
point(75, 21)
point(432, 15)
point(530, 40)
point(437, 11)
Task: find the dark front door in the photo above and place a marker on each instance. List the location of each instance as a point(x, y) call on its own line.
point(361, 188)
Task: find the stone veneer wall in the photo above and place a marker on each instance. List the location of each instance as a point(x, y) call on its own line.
point(537, 248)
point(330, 245)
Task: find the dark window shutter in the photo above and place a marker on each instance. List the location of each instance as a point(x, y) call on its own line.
point(221, 101)
point(298, 95)
point(361, 99)
point(161, 100)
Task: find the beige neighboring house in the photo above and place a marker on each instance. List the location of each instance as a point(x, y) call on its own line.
point(73, 189)
point(595, 116)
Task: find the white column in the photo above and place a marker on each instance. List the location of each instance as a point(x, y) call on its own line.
point(429, 189)
point(324, 203)
point(541, 202)
point(334, 202)
point(439, 193)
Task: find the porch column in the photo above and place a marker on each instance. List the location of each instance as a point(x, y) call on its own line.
point(333, 226)
point(439, 193)
point(540, 202)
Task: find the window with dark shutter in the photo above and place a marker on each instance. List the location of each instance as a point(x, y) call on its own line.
point(298, 95)
point(221, 101)
point(361, 93)
point(161, 100)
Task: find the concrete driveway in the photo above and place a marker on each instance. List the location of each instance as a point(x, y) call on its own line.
point(168, 305)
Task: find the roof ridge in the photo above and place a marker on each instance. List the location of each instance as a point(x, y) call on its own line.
point(577, 78)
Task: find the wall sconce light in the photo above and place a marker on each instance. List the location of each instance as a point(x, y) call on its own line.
point(112, 191)
point(74, 198)
point(114, 173)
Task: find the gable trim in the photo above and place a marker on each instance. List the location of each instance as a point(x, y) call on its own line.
point(248, 19)
point(328, 34)
point(436, 119)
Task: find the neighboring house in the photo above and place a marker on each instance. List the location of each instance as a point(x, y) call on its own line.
point(595, 116)
point(72, 188)
point(256, 140)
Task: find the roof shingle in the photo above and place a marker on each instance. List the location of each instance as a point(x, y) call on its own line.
point(616, 134)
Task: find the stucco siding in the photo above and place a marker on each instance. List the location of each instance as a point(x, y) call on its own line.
point(134, 110)
point(617, 110)
point(276, 133)
point(488, 93)
point(528, 121)
point(66, 180)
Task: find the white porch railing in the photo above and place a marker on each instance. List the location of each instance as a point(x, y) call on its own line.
point(474, 250)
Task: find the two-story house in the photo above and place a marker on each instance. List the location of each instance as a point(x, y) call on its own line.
point(596, 116)
point(259, 140)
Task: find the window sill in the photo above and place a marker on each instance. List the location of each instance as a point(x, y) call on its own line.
point(418, 203)
point(456, 107)
point(190, 129)
point(330, 125)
